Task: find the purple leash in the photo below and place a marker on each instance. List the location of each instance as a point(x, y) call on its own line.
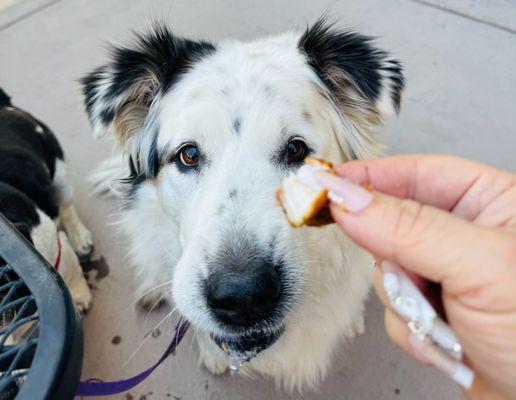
point(98, 388)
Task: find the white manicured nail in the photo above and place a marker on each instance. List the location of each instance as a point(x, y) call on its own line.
point(353, 197)
point(454, 369)
point(413, 307)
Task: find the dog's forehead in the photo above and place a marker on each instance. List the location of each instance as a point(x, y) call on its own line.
point(264, 84)
point(235, 65)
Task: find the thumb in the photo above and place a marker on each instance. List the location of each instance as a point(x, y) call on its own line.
point(426, 240)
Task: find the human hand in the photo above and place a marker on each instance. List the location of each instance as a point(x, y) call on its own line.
point(449, 221)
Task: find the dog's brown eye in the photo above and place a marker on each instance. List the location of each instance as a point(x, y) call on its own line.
point(189, 155)
point(296, 150)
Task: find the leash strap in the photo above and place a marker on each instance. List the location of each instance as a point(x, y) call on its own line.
point(95, 387)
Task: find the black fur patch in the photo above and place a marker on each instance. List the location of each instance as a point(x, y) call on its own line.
point(160, 52)
point(90, 86)
point(331, 51)
point(398, 82)
point(138, 73)
point(107, 115)
point(28, 157)
point(18, 209)
point(52, 148)
point(5, 100)
point(134, 179)
point(136, 175)
point(153, 158)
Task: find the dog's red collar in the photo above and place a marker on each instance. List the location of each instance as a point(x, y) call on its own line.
point(58, 259)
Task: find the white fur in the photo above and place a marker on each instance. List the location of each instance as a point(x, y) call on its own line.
point(175, 219)
point(60, 183)
point(108, 176)
point(80, 237)
point(75, 241)
point(44, 236)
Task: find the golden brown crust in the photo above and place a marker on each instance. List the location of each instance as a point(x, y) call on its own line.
point(319, 213)
point(321, 163)
point(319, 203)
point(323, 217)
point(279, 197)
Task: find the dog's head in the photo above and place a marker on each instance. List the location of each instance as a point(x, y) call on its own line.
point(213, 130)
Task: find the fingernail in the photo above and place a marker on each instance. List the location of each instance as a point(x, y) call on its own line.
point(413, 307)
point(305, 174)
point(406, 299)
point(344, 192)
point(454, 369)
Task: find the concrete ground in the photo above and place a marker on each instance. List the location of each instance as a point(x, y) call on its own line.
point(460, 99)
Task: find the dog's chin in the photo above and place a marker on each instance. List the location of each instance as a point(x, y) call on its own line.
point(248, 345)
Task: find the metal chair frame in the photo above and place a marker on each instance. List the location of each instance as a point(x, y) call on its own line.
point(45, 363)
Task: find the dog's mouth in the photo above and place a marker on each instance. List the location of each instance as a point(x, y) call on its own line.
point(241, 349)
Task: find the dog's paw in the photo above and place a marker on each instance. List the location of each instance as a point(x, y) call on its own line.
point(355, 328)
point(82, 299)
point(81, 240)
point(213, 362)
point(211, 356)
point(359, 326)
point(152, 300)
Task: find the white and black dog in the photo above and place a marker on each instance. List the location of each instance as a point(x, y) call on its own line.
point(35, 196)
point(207, 132)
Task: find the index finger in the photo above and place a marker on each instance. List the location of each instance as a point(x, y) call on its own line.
point(449, 183)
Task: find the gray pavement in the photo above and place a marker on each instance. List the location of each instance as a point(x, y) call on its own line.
point(460, 99)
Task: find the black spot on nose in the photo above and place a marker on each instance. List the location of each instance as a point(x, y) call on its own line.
point(232, 194)
point(243, 298)
point(236, 125)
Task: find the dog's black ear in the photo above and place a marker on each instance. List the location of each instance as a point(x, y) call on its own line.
point(362, 79)
point(118, 95)
point(5, 100)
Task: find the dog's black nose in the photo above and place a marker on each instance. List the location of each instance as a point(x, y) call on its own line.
point(244, 298)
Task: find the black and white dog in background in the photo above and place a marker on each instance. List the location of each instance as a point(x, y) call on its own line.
point(207, 132)
point(36, 196)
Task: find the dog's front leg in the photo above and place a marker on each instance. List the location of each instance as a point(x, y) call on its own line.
point(210, 355)
point(80, 237)
point(358, 325)
point(71, 271)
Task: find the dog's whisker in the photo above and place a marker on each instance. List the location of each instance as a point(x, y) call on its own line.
point(115, 223)
point(173, 257)
point(193, 338)
point(152, 308)
point(168, 315)
point(146, 337)
point(133, 303)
